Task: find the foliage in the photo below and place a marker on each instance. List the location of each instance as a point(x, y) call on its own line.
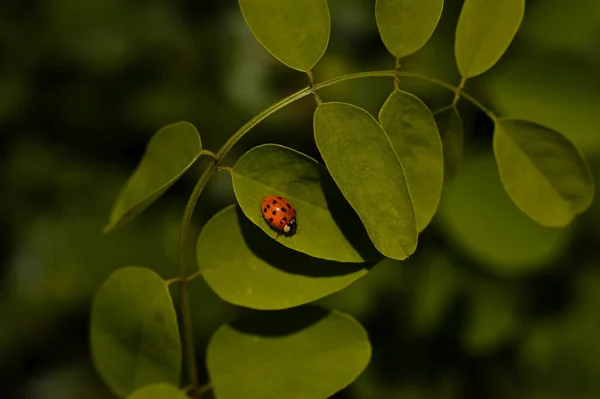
point(375, 192)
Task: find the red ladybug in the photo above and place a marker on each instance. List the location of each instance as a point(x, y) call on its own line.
point(279, 213)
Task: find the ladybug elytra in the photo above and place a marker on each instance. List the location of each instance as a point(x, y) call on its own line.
point(279, 213)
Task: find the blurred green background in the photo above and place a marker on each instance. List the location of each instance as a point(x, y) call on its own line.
point(491, 305)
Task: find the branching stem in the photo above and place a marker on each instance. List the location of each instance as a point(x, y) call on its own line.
point(184, 278)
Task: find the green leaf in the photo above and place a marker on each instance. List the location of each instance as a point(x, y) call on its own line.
point(134, 332)
point(158, 391)
point(247, 268)
point(477, 215)
point(542, 171)
point(484, 32)
point(363, 164)
point(415, 138)
point(304, 353)
point(171, 151)
point(451, 131)
point(406, 25)
point(327, 227)
point(295, 32)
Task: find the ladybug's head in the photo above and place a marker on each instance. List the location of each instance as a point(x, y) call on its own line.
point(290, 226)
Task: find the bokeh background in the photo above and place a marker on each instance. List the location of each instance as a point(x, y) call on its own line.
point(491, 305)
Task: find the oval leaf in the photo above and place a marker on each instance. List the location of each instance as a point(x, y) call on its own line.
point(542, 171)
point(171, 151)
point(415, 138)
point(406, 25)
point(158, 391)
point(327, 227)
point(266, 355)
point(451, 131)
point(295, 32)
point(484, 32)
point(134, 332)
point(363, 164)
point(247, 268)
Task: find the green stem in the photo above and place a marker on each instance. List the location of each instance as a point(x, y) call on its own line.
point(461, 86)
point(191, 204)
point(184, 293)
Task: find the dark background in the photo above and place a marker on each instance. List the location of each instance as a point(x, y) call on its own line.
point(491, 305)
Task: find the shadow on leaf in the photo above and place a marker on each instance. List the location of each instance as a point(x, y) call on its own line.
point(289, 260)
point(279, 322)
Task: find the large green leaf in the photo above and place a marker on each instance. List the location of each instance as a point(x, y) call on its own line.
point(542, 171)
point(134, 332)
point(451, 131)
point(362, 162)
point(171, 151)
point(406, 25)
point(415, 138)
point(477, 215)
point(247, 268)
point(304, 353)
point(295, 32)
point(327, 227)
point(484, 32)
point(158, 391)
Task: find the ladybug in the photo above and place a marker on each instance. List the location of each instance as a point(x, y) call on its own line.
point(279, 213)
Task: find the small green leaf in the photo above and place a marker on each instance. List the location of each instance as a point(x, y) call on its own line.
point(158, 391)
point(406, 25)
point(247, 268)
point(415, 138)
point(363, 164)
point(451, 131)
point(484, 32)
point(134, 332)
point(327, 227)
point(295, 32)
point(171, 151)
point(304, 353)
point(542, 171)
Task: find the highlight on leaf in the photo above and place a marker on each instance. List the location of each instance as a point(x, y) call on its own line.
point(170, 152)
point(406, 25)
point(542, 171)
point(295, 32)
point(364, 165)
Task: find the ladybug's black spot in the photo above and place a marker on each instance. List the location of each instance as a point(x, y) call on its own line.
point(279, 197)
point(281, 222)
point(285, 218)
point(283, 210)
point(265, 210)
point(268, 206)
point(274, 202)
point(274, 212)
point(270, 219)
point(289, 206)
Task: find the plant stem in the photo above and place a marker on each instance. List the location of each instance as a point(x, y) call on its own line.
point(461, 86)
point(184, 279)
point(184, 293)
point(312, 88)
